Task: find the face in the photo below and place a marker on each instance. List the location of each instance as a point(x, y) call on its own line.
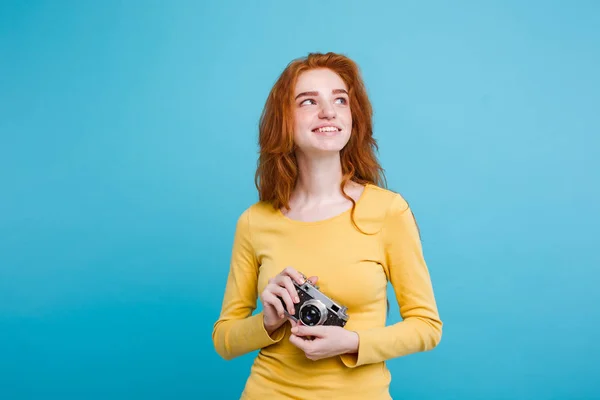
point(322, 118)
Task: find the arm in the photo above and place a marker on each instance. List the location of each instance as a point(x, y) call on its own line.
point(237, 331)
point(421, 327)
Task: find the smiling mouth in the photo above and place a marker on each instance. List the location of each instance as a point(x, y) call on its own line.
point(327, 129)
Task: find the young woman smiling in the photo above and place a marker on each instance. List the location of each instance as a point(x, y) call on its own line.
point(323, 212)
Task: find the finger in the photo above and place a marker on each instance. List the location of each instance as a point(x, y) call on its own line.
point(273, 301)
point(291, 289)
point(283, 294)
point(319, 331)
point(295, 275)
point(313, 279)
point(286, 282)
point(300, 343)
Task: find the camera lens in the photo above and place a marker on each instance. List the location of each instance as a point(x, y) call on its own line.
point(313, 312)
point(310, 315)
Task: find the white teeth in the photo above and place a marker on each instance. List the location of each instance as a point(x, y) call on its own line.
point(327, 129)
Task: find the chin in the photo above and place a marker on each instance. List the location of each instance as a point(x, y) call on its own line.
point(321, 150)
point(322, 145)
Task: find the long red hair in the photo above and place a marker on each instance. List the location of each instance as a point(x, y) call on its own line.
point(277, 169)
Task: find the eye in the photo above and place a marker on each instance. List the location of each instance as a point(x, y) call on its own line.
point(343, 100)
point(307, 100)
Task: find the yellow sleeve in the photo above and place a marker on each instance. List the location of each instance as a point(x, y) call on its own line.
point(237, 331)
point(421, 327)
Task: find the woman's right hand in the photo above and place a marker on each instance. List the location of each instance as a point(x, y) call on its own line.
point(281, 286)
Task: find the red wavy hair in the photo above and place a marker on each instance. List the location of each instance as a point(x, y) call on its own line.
point(277, 169)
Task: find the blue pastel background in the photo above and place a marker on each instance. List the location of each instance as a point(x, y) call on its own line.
point(128, 134)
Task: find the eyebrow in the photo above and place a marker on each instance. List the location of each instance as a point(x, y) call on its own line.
point(334, 91)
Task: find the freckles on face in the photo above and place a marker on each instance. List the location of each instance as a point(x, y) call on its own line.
point(322, 115)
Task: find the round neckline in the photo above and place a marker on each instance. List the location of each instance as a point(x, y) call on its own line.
point(325, 220)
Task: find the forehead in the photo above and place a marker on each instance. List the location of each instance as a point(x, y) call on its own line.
point(319, 79)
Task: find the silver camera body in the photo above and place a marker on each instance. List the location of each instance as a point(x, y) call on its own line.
point(315, 308)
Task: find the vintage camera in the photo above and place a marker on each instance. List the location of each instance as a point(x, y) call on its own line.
point(314, 308)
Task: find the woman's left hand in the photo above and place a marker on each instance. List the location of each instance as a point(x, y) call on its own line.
point(323, 341)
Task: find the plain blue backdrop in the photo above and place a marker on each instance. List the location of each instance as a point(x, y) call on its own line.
point(128, 143)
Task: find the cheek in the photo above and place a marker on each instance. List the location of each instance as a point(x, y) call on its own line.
point(299, 120)
point(302, 122)
point(348, 116)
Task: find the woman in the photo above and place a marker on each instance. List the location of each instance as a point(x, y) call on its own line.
point(323, 212)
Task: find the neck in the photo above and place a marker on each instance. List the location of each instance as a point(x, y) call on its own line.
point(319, 178)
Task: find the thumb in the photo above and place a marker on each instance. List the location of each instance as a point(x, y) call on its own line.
point(313, 279)
point(303, 330)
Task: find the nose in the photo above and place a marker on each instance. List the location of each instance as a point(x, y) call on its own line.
point(327, 111)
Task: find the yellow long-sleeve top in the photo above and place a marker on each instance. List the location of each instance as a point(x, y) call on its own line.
point(353, 269)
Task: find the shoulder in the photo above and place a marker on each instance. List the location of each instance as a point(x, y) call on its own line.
point(383, 200)
point(257, 212)
point(377, 205)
